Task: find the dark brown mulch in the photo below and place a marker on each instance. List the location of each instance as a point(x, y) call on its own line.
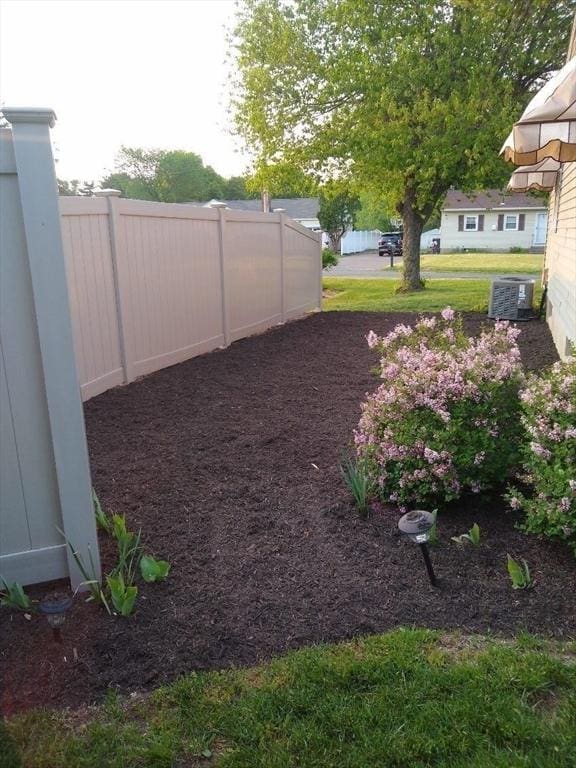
point(230, 465)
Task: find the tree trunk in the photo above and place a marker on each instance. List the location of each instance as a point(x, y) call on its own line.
point(413, 224)
point(335, 239)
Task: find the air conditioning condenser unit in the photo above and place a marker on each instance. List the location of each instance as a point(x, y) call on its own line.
point(511, 298)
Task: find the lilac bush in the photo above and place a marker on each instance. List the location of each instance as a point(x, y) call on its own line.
point(549, 454)
point(445, 418)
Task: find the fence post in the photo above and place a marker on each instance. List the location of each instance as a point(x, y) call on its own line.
point(49, 303)
point(282, 221)
point(221, 208)
point(319, 235)
point(121, 285)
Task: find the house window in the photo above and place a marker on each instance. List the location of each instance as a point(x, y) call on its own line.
point(471, 223)
point(511, 222)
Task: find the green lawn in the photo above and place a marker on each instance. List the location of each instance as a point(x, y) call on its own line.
point(483, 262)
point(378, 295)
point(408, 699)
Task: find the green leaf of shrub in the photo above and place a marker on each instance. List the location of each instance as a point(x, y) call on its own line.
point(152, 569)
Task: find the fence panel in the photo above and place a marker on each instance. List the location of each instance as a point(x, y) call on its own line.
point(153, 284)
point(253, 272)
point(303, 268)
point(173, 292)
point(91, 289)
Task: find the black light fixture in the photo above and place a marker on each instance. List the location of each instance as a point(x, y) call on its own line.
point(417, 525)
point(54, 607)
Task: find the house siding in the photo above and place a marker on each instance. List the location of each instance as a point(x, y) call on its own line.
point(490, 239)
point(560, 262)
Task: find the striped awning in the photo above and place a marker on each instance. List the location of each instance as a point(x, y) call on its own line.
point(547, 127)
point(541, 176)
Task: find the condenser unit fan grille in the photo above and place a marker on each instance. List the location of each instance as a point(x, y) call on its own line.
point(511, 298)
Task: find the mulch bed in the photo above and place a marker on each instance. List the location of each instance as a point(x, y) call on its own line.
point(230, 465)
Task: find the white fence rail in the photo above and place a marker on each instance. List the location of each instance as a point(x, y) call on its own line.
point(153, 284)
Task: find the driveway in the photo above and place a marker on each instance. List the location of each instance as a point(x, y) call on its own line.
point(369, 264)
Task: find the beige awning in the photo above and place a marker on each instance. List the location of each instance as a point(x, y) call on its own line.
point(547, 127)
point(541, 176)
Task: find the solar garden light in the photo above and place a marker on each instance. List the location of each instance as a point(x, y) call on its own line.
point(54, 607)
point(417, 525)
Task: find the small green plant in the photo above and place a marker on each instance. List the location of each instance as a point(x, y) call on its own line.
point(102, 519)
point(13, 596)
point(329, 258)
point(518, 249)
point(129, 549)
point(123, 595)
point(519, 574)
point(359, 483)
point(152, 569)
point(433, 538)
point(473, 536)
point(95, 590)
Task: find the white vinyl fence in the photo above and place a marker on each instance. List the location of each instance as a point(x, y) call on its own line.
point(153, 284)
point(361, 240)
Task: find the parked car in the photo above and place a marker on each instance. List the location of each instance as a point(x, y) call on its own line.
point(390, 244)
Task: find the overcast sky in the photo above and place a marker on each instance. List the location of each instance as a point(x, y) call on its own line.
point(144, 73)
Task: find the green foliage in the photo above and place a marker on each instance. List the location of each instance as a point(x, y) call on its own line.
point(13, 596)
point(169, 176)
point(444, 418)
point(517, 249)
point(129, 550)
point(548, 496)
point(519, 573)
point(102, 520)
point(337, 213)
point(123, 596)
point(68, 188)
point(329, 258)
point(406, 98)
point(409, 699)
point(473, 536)
point(359, 483)
point(95, 591)
point(280, 180)
point(121, 587)
point(373, 213)
point(152, 569)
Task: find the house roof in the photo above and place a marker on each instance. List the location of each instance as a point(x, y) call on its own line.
point(456, 200)
point(296, 208)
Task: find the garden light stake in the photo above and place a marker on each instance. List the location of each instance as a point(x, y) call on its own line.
point(417, 525)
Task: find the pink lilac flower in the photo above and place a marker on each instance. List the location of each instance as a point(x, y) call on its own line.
point(515, 503)
point(447, 313)
point(564, 504)
point(372, 339)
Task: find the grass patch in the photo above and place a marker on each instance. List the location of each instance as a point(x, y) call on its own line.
point(374, 295)
point(409, 698)
point(504, 263)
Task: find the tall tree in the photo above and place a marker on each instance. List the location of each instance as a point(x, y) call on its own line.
point(337, 212)
point(169, 176)
point(405, 96)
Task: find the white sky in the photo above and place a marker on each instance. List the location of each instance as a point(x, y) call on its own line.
point(143, 73)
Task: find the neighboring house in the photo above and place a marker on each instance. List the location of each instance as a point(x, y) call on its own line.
point(492, 221)
point(304, 210)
